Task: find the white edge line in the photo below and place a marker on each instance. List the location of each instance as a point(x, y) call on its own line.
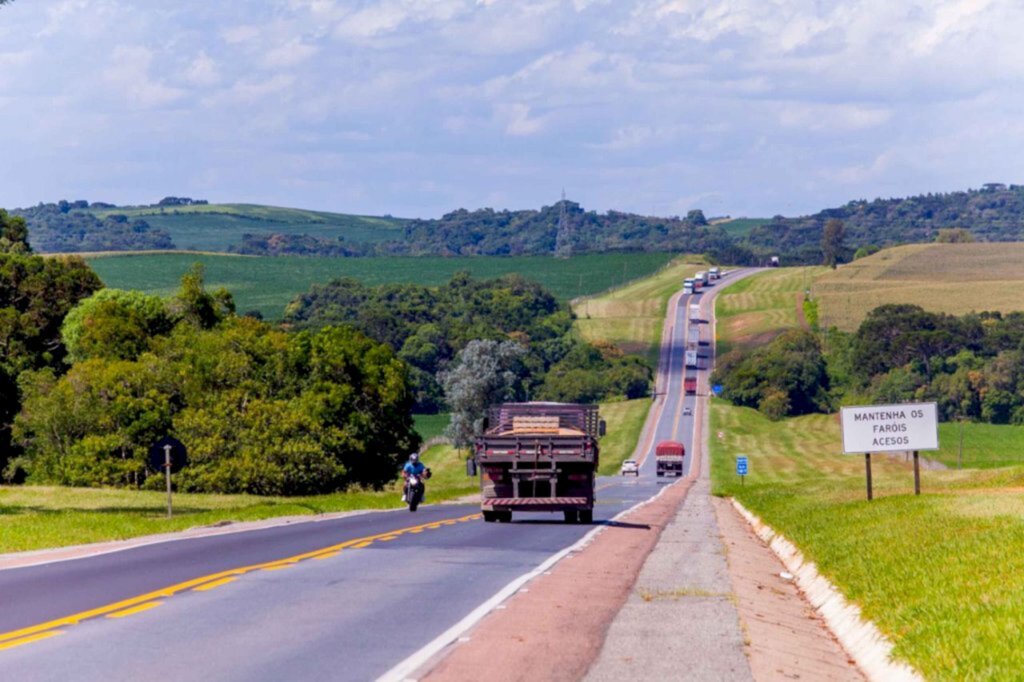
point(859, 637)
point(402, 671)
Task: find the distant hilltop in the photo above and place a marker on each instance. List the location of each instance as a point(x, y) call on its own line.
point(995, 212)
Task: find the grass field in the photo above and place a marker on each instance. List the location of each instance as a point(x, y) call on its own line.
point(950, 278)
point(215, 227)
point(269, 284)
point(754, 310)
point(625, 422)
point(940, 574)
point(631, 317)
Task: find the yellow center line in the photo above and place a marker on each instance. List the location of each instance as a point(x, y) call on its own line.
point(28, 640)
point(170, 591)
point(135, 609)
point(330, 555)
point(215, 584)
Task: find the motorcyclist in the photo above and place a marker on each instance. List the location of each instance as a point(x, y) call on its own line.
point(414, 467)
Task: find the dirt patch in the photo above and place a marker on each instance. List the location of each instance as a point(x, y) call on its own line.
point(554, 630)
point(785, 637)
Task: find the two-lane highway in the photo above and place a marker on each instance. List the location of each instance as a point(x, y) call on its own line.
point(344, 598)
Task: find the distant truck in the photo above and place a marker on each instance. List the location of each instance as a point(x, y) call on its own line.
point(668, 456)
point(687, 286)
point(693, 338)
point(539, 457)
point(690, 385)
point(714, 273)
point(775, 261)
point(692, 359)
point(702, 278)
point(694, 312)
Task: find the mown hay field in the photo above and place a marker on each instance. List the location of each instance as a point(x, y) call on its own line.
point(269, 284)
point(949, 278)
point(754, 310)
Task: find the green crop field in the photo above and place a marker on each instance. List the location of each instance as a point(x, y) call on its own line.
point(631, 317)
point(269, 284)
point(215, 227)
point(949, 278)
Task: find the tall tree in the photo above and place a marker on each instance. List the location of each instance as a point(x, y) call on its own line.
point(484, 374)
point(832, 241)
point(13, 233)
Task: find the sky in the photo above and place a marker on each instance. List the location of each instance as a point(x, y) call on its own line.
point(414, 108)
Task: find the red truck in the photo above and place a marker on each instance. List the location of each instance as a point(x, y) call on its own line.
point(690, 385)
point(539, 457)
point(668, 455)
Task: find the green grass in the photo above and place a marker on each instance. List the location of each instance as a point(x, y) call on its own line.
point(985, 446)
point(430, 425)
point(38, 517)
point(631, 317)
point(269, 284)
point(215, 227)
point(754, 310)
point(625, 421)
point(941, 574)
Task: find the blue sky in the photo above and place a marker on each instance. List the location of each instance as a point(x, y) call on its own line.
point(416, 107)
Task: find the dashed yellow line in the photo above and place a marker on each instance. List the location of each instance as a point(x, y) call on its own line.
point(28, 640)
point(218, 583)
point(144, 602)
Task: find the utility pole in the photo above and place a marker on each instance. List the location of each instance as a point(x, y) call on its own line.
point(563, 238)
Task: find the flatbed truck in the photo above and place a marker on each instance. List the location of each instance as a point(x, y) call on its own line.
point(539, 457)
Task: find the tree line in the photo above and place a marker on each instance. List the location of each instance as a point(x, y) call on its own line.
point(972, 366)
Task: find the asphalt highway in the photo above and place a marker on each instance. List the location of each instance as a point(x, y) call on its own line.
point(339, 599)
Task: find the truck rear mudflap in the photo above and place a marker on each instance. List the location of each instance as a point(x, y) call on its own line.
point(535, 503)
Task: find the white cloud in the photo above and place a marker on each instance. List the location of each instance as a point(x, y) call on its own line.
point(832, 117)
point(128, 70)
point(517, 120)
point(288, 55)
point(202, 71)
point(239, 34)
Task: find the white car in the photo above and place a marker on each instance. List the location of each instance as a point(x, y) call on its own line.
point(630, 467)
point(687, 411)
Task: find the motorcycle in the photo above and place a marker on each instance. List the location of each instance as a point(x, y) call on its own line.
point(415, 489)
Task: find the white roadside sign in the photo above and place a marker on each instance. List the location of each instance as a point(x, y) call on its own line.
point(890, 428)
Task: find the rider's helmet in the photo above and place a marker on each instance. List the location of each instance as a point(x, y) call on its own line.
point(414, 457)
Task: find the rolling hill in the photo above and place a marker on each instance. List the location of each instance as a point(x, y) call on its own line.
point(948, 278)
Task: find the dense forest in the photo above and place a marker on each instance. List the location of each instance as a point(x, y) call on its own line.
point(972, 366)
point(993, 213)
point(429, 327)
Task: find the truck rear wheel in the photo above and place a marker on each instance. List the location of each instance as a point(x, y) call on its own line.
point(571, 515)
point(490, 517)
point(505, 517)
point(586, 515)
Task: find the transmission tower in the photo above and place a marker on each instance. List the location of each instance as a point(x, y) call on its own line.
point(564, 237)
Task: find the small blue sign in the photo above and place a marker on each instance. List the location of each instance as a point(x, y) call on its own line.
point(741, 465)
point(717, 389)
